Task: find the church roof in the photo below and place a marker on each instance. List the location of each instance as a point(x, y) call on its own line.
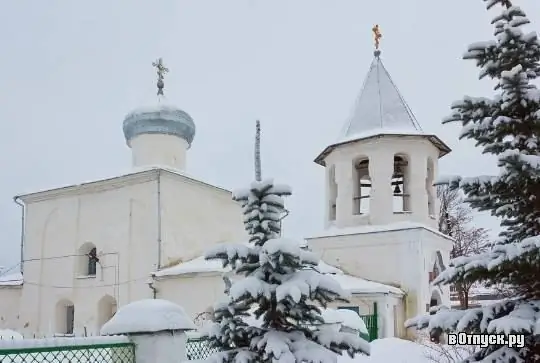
point(106, 183)
point(351, 284)
point(380, 110)
point(379, 106)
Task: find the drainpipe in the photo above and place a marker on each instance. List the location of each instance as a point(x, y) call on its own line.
point(17, 201)
point(152, 287)
point(159, 219)
point(285, 214)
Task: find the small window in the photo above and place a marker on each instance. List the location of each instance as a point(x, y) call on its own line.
point(92, 262)
point(87, 260)
point(70, 319)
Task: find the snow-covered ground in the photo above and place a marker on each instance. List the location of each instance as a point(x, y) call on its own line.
point(394, 350)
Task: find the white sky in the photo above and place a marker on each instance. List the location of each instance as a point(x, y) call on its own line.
point(70, 71)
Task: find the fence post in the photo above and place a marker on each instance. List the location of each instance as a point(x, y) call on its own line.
point(156, 327)
point(375, 333)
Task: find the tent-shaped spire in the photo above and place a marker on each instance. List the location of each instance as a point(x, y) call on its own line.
point(380, 110)
point(379, 106)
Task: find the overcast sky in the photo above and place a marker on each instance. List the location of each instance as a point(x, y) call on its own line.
point(71, 70)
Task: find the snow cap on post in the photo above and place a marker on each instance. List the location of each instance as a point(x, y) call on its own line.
point(148, 316)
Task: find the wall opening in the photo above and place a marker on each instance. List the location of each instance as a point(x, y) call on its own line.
point(430, 189)
point(434, 272)
point(106, 309)
point(435, 300)
point(401, 184)
point(65, 317)
point(332, 193)
point(87, 260)
point(361, 186)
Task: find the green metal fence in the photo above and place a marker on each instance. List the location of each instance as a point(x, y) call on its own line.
point(371, 325)
point(198, 348)
point(95, 353)
point(371, 321)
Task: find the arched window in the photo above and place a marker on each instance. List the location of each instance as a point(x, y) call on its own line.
point(332, 191)
point(400, 184)
point(430, 189)
point(88, 260)
point(65, 317)
point(106, 309)
point(361, 186)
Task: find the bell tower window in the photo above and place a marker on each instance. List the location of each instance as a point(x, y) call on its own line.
point(332, 193)
point(361, 186)
point(400, 184)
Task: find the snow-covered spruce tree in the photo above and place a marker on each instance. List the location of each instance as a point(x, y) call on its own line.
point(276, 280)
point(507, 126)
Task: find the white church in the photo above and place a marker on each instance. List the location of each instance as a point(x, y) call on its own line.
point(90, 248)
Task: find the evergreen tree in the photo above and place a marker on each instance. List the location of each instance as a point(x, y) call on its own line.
point(507, 126)
point(276, 278)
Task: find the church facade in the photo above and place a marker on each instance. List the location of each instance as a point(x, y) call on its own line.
point(89, 248)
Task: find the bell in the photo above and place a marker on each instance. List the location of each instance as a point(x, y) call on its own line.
point(397, 190)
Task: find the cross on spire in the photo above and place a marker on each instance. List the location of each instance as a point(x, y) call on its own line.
point(161, 70)
point(377, 37)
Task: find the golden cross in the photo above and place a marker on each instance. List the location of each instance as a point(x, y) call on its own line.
point(161, 70)
point(377, 35)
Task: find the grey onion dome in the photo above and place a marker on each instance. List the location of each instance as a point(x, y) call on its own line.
point(159, 119)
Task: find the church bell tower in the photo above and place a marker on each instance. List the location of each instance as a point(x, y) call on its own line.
point(381, 206)
point(382, 167)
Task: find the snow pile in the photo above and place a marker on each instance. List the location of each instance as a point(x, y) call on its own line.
point(8, 334)
point(147, 316)
point(394, 350)
point(59, 342)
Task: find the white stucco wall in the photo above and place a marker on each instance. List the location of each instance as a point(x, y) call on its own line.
point(159, 149)
point(195, 217)
point(10, 297)
point(194, 292)
point(119, 217)
point(402, 258)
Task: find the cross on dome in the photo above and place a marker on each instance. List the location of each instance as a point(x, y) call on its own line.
point(161, 70)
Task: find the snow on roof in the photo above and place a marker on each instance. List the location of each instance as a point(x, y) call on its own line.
point(358, 285)
point(379, 105)
point(352, 284)
point(197, 265)
point(133, 171)
point(148, 316)
point(152, 108)
point(334, 231)
point(379, 131)
point(380, 109)
point(11, 279)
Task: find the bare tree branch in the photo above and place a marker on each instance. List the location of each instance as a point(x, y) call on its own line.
point(455, 219)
